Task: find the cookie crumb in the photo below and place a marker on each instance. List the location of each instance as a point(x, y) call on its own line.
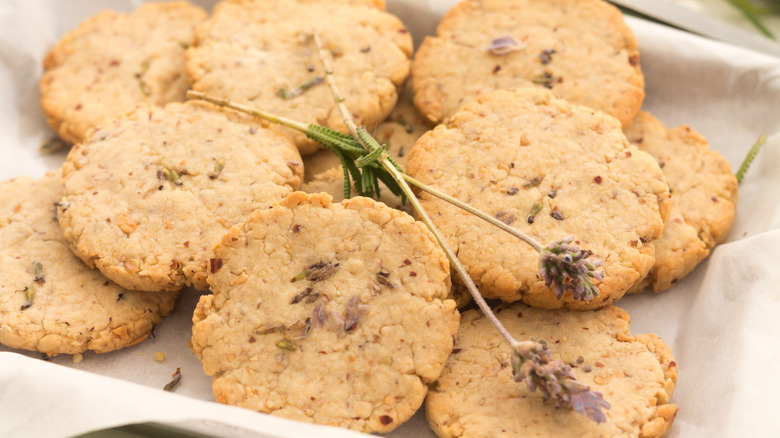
point(78, 357)
point(159, 356)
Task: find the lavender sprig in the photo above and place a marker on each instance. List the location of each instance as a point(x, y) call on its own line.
point(567, 391)
point(504, 45)
point(379, 164)
point(566, 267)
point(532, 363)
point(350, 150)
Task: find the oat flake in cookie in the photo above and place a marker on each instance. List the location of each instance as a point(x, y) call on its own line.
point(147, 198)
point(476, 395)
point(581, 50)
point(704, 198)
point(552, 170)
point(113, 62)
point(327, 313)
point(49, 300)
point(258, 52)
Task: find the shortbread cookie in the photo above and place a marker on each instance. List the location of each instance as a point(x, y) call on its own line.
point(261, 53)
point(147, 198)
point(49, 300)
point(113, 62)
point(551, 170)
point(327, 313)
point(704, 197)
point(581, 50)
point(476, 395)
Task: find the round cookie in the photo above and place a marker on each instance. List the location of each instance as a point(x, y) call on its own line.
point(147, 198)
point(327, 313)
point(49, 300)
point(582, 50)
point(704, 198)
point(476, 395)
point(260, 53)
point(551, 170)
point(113, 62)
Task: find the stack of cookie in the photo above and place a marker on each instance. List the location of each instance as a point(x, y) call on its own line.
point(534, 98)
point(341, 313)
point(50, 301)
point(357, 290)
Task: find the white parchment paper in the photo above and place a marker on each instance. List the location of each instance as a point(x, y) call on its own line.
point(722, 322)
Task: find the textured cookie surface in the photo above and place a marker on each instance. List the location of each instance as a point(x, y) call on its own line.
point(552, 170)
point(260, 53)
point(327, 313)
point(113, 62)
point(704, 197)
point(49, 300)
point(476, 395)
point(581, 50)
point(147, 198)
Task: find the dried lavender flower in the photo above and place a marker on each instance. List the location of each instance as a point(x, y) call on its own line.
point(176, 379)
point(317, 272)
point(318, 315)
point(504, 45)
point(533, 364)
point(353, 313)
point(285, 93)
point(38, 271)
point(29, 294)
point(566, 267)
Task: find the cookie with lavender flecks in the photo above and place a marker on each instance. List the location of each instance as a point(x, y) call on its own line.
point(148, 197)
point(327, 313)
point(551, 170)
point(477, 395)
point(581, 50)
point(114, 62)
point(704, 197)
point(261, 53)
point(50, 301)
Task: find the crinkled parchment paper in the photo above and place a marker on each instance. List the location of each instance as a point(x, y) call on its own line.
point(722, 322)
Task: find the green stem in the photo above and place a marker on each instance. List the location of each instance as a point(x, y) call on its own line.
point(743, 168)
point(751, 12)
point(325, 136)
point(399, 178)
point(273, 118)
point(464, 277)
point(479, 213)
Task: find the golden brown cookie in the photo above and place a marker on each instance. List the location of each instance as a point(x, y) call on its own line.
point(260, 53)
point(113, 62)
point(147, 198)
point(551, 170)
point(49, 300)
point(476, 395)
point(582, 50)
point(327, 313)
point(704, 198)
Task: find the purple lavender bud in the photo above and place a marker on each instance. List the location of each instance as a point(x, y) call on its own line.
point(504, 45)
point(533, 364)
point(566, 268)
